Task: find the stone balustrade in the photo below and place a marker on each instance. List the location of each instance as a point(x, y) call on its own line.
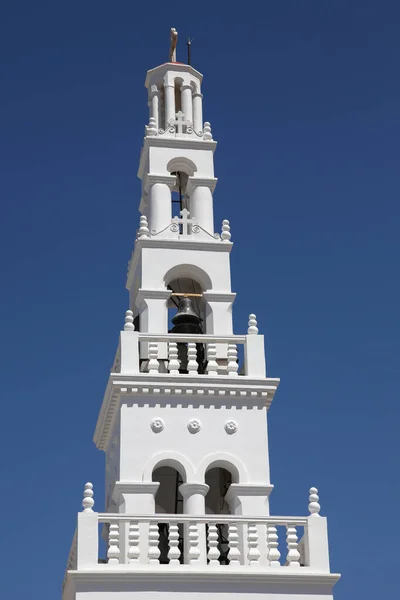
point(194, 355)
point(230, 541)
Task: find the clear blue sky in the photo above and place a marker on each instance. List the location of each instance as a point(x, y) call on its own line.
point(303, 97)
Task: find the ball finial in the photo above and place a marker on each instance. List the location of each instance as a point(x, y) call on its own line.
point(151, 128)
point(143, 231)
point(129, 326)
point(226, 231)
point(88, 501)
point(207, 135)
point(314, 506)
point(252, 329)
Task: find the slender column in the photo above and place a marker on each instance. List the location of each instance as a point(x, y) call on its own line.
point(154, 104)
point(198, 112)
point(169, 103)
point(160, 211)
point(194, 504)
point(187, 106)
point(201, 204)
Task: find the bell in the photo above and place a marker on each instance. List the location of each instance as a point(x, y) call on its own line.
point(186, 320)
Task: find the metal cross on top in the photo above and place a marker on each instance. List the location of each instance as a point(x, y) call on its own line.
point(180, 122)
point(185, 221)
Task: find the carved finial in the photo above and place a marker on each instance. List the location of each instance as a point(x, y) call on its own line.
point(314, 507)
point(88, 501)
point(151, 128)
point(253, 329)
point(207, 135)
point(143, 228)
point(226, 231)
point(129, 326)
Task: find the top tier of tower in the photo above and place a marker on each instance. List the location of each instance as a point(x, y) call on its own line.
point(175, 100)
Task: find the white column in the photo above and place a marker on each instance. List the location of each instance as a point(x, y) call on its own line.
point(201, 206)
point(187, 107)
point(160, 207)
point(198, 111)
point(154, 104)
point(194, 504)
point(169, 103)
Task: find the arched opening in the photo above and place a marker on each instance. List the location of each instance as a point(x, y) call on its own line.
point(178, 95)
point(219, 480)
point(168, 500)
point(161, 108)
point(186, 315)
point(181, 168)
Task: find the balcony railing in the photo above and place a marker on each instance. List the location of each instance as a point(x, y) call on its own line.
point(194, 355)
point(185, 542)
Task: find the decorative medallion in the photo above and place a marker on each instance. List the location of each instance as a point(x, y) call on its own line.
point(231, 427)
point(194, 425)
point(157, 425)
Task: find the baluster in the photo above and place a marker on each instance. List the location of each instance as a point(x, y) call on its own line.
point(134, 535)
point(194, 551)
point(173, 538)
point(293, 556)
point(192, 359)
point(273, 552)
point(234, 552)
point(113, 544)
point(213, 552)
point(232, 360)
point(212, 365)
point(153, 358)
point(154, 551)
point(252, 541)
point(174, 363)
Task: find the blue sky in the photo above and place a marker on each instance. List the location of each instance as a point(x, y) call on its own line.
point(303, 98)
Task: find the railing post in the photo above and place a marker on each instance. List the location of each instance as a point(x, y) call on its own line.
point(254, 356)
point(316, 548)
point(129, 352)
point(87, 540)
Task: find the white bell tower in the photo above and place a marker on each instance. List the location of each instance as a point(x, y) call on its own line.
point(183, 422)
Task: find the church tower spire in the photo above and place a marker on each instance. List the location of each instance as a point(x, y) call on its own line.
point(183, 422)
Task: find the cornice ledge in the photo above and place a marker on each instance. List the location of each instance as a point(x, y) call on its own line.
point(221, 574)
point(103, 418)
point(174, 142)
point(184, 243)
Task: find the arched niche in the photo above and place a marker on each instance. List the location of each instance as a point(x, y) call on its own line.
point(182, 164)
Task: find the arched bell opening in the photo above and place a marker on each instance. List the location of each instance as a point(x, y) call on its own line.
point(178, 94)
point(219, 480)
point(181, 168)
point(186, 316)
point(168, 500)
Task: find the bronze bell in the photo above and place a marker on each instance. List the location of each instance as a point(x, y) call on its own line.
point(186, 320)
